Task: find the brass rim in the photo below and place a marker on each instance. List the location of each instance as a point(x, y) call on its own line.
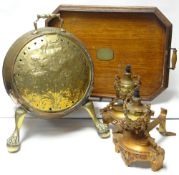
point(10, 60)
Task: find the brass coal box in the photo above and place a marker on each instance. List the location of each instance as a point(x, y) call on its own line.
point(49, 73)
point(131, 120)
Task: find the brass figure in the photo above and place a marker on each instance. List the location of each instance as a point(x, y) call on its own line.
point(132, 125)
point(49, 73)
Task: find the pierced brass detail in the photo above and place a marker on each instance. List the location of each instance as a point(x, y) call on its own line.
point(51, 73)
point(48, 71)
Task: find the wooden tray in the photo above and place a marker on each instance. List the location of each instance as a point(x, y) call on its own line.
point(116, 36)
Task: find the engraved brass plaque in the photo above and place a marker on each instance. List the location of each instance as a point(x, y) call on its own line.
point(105, 54)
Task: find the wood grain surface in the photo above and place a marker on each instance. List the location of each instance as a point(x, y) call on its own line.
point(138, 36)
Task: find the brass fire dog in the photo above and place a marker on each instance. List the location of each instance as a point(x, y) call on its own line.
point(131, 120)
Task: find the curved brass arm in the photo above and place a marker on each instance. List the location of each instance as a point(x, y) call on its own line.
point(161, 120)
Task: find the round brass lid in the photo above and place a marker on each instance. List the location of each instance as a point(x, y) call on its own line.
point(51, 73)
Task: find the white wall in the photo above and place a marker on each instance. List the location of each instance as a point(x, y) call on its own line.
point(17, 17)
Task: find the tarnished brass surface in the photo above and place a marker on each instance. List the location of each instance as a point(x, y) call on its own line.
point(51, 73)
point(131, 120)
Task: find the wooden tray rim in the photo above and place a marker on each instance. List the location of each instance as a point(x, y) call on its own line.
point(130, 9)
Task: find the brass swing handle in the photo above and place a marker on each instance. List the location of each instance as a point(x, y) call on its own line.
point(48, 16)
point(174, 58)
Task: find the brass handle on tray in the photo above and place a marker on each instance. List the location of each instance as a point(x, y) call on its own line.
point(48, 16)
point(174, 58)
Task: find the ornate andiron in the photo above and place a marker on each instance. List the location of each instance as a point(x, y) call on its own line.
point(131, 132)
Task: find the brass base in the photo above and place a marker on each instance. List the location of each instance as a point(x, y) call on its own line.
point(136, 146)
point(139, 150)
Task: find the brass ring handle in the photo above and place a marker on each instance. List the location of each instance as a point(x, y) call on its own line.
point(48, 16)
point(174, 58)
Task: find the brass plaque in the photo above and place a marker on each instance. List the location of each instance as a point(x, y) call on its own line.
point(104, 54)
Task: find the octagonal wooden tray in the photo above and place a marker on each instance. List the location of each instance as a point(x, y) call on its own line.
point(116, 36)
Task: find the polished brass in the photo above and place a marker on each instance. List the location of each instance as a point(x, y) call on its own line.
point(13, 143)
point(131, 120)
point(125, 86)
point(124, 90)
point(49, 73)
point(105, 54)
point(174, 58)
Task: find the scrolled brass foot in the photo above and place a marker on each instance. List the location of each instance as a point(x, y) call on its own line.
point(102, 128)
point(13, 144)
point(157, 162)
point(116, 138)
point(166, 133)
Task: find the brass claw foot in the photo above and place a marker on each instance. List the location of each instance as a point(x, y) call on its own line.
point(13, 144)
point(102, 128)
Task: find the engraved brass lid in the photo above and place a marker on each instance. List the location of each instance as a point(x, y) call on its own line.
point(48, 71)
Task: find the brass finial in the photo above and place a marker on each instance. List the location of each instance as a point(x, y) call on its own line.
point(125, 86)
